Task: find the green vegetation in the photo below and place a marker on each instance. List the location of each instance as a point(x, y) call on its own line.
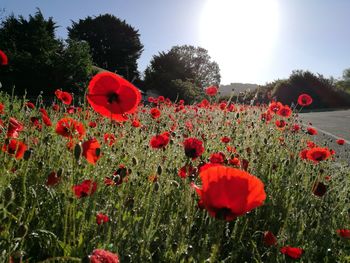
point(153, 213)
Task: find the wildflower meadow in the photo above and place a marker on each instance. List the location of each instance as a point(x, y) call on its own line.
point(109, 177)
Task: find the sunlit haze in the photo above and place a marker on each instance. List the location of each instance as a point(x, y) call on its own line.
point(240, 35)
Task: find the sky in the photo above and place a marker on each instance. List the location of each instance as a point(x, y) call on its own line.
point(253, 41)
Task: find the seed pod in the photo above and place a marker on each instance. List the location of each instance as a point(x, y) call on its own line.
point(77, 151)
point(159, 170)
point(27, 154)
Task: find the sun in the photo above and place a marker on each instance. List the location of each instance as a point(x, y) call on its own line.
point(240, 35)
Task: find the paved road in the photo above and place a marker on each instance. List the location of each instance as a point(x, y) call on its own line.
point(331, 126)
point(334, 122)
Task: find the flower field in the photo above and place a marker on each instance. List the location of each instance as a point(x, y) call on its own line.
point(110, 178)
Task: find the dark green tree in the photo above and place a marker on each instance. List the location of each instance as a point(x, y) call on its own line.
point(38, 61)
point(185, 63)
point(321, 89)
point(115, 45)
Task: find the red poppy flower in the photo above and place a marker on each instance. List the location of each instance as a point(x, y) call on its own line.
point(63, 96)
point(109, 139)
point(275, 106)
point(86, 188)
point(284, 111)
point(103, 256)
point(193, 147)
point(56, 107)
point(311, 131)
point(14, 128)
point(228, 192)
point(225, 139)
point(136, 123)
point(3, 58)
point(281, 124)
point(319, 189)
point(36, 123)
point(30, 105)
point(217, 158)
point(303, 154)
point(2, 108)
point(155, 113)
point(53, 179)
point(211, 91)
point(344, 233)
point(304, 100)
point(318, 154)
point(266, 116)
point(292, 252)
point(311, 144)
point(70, 128)
point(269, 239)
point(101, 218)
point(92, 150)
point(340, 141)
point(295, 128)
point(160, 141)
point(14, 147)
point(112, 96)
point(234, 161)
point(46, 120)
point(186, 170)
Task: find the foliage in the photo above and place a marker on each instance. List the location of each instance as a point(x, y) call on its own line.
point(153, 213)
point(37, 60)
point(321, 89)
point(344, 83)
point(186, 63)
point(115, 45)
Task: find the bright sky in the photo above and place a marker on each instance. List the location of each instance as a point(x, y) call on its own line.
point(251, 41)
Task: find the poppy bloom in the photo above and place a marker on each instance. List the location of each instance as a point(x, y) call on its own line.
point(86, 188)
point(234, 161)
point(284, 111)
point(103, 256)
point(136, 123)
point(319, 189)
point(269, 239)
point(186, 171)
point(3, 58)
point(68, 127)
point(217, 158)
point(318, 154)
point(46, 120)
point(53, 179)
point(295, 128)
point(14, 128)
point(109, 139)
point(311, 131)
point(30, 105)
point(275, 106)
point(292, 252)
point(344, 233)
point(91, 150)
point(193, 147)
point(225, 139)
point(340, 141)
point(160, 141)
point(63, 96)
point(14, 147)
point(2, 108)
point(304, 100)
point(266, 116)
point(155, 113)
point(101, 218)
point(280, 124)
point(227, 193)
point(211, 91)
point(112, 96)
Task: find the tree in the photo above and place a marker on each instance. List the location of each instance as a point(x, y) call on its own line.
point(321, 89)
point(185, 63)
point(37, 60)
point(115, 45)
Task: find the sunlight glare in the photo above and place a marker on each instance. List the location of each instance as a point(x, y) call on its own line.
point(239, 35)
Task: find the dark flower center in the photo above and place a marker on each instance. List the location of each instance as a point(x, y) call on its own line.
point(191, 152)
point(112, 97)
point(224, 213)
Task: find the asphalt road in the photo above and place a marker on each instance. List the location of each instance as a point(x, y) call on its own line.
point(331, 125)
